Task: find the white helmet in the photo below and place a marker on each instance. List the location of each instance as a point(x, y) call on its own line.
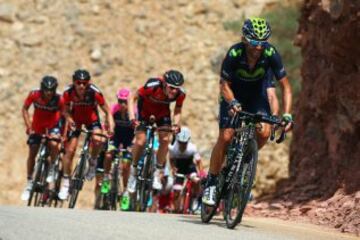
point(184, 135)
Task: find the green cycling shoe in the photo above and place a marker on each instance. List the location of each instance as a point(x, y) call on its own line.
point(105, 186)
point(125, 202)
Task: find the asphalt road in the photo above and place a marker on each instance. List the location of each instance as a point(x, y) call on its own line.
point(18, 223)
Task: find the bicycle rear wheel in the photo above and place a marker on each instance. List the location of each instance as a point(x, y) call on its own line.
point(240, 186)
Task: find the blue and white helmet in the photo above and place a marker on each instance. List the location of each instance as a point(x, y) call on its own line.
point(184, 135)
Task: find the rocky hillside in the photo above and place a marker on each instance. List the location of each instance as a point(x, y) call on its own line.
point(324, 183)
point(122, 43)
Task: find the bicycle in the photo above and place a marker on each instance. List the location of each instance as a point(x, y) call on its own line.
point(236, 178)
point(107, 199)
point(40, 186)
point(146, 169)
point(78, 176)
point(190, 203)
point(54, 200)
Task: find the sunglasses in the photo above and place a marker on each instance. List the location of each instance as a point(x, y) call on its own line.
point(79, 83)
point(121, 101)
point(255, 43)
point(172, 87)
point(49, 90)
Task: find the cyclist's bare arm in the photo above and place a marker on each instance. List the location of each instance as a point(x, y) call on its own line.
point(172, 165)
point(132, 103)
point(177, 115)
point(287, 94)
point(199, 166)
point(67, 115)
point(273, 101)
point(26, 116)
point(226, 91)
point(108, 117)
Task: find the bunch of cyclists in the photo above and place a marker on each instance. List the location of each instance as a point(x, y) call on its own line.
point(246, 84)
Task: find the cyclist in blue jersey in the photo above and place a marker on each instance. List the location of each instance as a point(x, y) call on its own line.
point(244, 72)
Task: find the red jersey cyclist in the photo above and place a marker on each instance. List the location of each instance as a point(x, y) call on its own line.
point(45, 120)
point(82, 99)
point(154, 98)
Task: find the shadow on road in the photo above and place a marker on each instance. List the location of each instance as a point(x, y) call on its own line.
point(215, 221)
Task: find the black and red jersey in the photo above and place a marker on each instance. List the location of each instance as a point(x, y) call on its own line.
point(47, 113)
point(84, 110)
point(153, 101)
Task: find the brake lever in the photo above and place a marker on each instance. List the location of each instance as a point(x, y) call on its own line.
point(282, 137)
point(272, 136)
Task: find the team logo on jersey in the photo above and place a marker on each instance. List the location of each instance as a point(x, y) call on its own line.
point(250, 77)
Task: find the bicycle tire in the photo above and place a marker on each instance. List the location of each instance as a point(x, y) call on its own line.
point(187, 200)
point(53, 193)
point(44, 190)
point(36, 179)
point(35, 193)
point(241, 186)
point(145, 186)
point(77, 181)
point(114, 188)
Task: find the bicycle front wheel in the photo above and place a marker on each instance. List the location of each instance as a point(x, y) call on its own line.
point(114, 192)
point(39, 188)
point(240, 186)
point(77, 181)
point(145, 183)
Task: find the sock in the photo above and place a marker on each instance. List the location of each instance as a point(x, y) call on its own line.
point(93, 162)
point(66, 179)
point(159, 166)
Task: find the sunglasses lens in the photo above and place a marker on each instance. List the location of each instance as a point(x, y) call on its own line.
point(81, 83)
point(256, 43)
point(122, 101)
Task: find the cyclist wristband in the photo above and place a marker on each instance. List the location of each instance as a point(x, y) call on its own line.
point(234, 102)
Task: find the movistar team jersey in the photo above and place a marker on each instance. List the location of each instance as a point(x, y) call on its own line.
point(246, 82)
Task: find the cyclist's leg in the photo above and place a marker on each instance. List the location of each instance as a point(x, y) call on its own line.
point(34, 144)
point(70, 150)
point(139, 144)
point(54, 146)
point(261, 105)
point(137, 151)
point(107, 162)
point(217, 158)
point(164, 125)
point(263, 134)
point(99, 172)
point(97, 142)
point(164, 140)
point(125, 167)
point(177, 188)
point(195, 179)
